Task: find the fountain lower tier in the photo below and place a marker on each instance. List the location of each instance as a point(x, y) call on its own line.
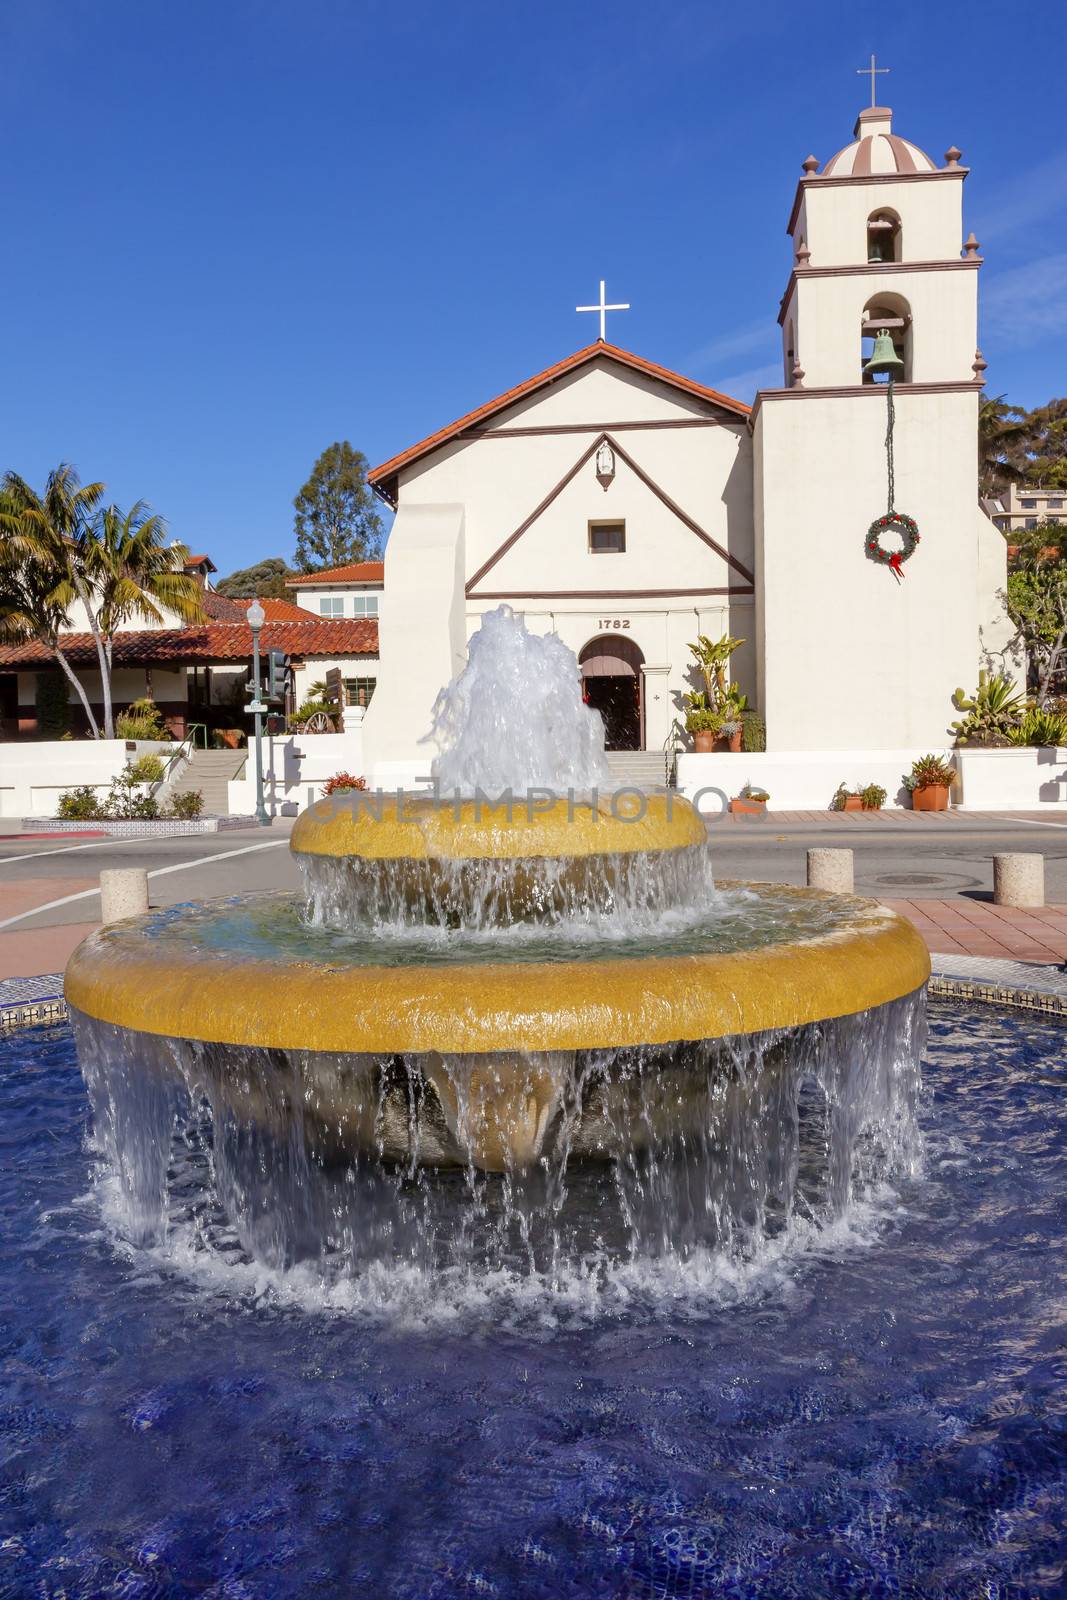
point(477, 1054)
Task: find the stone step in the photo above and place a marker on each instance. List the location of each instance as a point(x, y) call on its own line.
point(637, 769)
point(209, 771)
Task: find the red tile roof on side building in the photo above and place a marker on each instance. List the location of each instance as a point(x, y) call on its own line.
point(279, 610)
point(359, 572)
point(211, 642)
point(384, 478)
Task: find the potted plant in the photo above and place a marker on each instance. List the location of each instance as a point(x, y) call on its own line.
point(704, 726)
point(846, 799)
point(873, 797)
point(751, 801)
point(928, 783)
point(720, 699)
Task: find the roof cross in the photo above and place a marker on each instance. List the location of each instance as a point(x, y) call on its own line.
point(603, 307)
point(875, 72)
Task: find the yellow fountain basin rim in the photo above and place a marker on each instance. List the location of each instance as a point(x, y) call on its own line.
point(391, 828)
point(119, 976)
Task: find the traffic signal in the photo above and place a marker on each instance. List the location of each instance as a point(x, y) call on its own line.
point(277, 677)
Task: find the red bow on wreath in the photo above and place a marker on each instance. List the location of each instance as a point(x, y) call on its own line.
point(895, 565)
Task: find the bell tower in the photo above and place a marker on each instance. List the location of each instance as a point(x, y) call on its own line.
point(853, 656)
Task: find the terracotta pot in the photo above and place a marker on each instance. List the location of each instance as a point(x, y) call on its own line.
point(230, 738)
point(731, 741)
point(931, 797)
point(704, 742)
point(853, 802)
point(747, 808)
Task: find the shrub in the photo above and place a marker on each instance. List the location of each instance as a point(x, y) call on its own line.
point(842, 793)
point(873, 797)
point(186, 807)
point(146, 769)
point(80, 805)
point(141, 720)
point(228, 738)
point(753, 792)
point(310, 708)
point(342, 783)
point(753, 732)
point(1041, 728)
point(52, 700)
point(125, 804)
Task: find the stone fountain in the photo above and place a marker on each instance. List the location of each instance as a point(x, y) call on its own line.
point(521, 971)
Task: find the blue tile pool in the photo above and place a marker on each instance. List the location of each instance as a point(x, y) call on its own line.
point(879, 1410)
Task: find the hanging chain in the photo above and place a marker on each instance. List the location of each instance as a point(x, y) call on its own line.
point(889, 442)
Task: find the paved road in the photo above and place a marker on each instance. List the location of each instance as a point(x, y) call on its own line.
point(48, 899)
point(894, 860)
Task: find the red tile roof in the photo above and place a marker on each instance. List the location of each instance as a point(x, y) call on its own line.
point(278, 610)
point(383, 478)
point(214, 641)
point(199, 561)
point(220, 608)
point(359, 572)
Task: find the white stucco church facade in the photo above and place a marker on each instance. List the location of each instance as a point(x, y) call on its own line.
point(629, 508)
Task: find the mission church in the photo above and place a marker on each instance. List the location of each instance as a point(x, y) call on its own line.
point(629, 508)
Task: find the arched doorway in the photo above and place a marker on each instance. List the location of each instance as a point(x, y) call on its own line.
point(613, 685)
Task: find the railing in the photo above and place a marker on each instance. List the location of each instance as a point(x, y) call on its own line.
point(180, 757)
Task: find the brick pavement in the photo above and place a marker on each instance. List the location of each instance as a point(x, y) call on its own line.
point(979, 928)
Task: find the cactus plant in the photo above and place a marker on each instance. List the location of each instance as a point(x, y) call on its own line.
point(992, 713)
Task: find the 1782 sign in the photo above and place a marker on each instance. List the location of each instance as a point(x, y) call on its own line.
point(613, 622)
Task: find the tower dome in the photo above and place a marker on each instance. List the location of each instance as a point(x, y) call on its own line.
point(876, 149)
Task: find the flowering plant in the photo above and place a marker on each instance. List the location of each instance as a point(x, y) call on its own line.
point(341, 783)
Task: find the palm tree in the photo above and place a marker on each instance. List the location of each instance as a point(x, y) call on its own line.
point(46, 533)
point(132, 573)
point(1002, 434)
point(35, 597)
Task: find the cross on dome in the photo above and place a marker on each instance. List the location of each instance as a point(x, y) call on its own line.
point(875, 72)
point(603, 308)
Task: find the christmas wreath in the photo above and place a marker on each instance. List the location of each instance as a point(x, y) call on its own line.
point(892, 522)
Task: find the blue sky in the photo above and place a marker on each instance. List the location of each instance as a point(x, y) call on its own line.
point(239, 229)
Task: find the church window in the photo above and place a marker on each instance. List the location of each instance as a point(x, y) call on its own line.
point(364, 605)
point(607, 538)
point(892, 314)
point(883, 236)
point(1028, 505)
point(331, 605)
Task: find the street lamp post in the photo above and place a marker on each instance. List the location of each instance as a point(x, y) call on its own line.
point(256, 618)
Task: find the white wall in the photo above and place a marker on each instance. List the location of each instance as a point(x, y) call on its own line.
point(422, 638)
point(1004, 780)
point(294, 770)
point(796, 780)
point(852, 658)
point(33, 774)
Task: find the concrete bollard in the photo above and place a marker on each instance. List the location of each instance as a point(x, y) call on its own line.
point(123, 893)
point(1019, 879)
point(830, 869)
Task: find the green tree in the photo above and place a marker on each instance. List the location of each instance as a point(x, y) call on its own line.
point(61, 548)
point(1046, 444)
point(132, 574)
point(39, 579)
point(1036, 602)
point(336, 518)
point(52, 700)
point(1002, 431)
point(266, 580)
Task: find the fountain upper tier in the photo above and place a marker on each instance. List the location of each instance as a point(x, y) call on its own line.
point(475, 864)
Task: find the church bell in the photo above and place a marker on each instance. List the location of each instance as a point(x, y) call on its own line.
point(884, 357)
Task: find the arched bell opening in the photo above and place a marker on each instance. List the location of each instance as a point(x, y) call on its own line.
point(884, 236)
point(887, 314)
point(614, 685)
